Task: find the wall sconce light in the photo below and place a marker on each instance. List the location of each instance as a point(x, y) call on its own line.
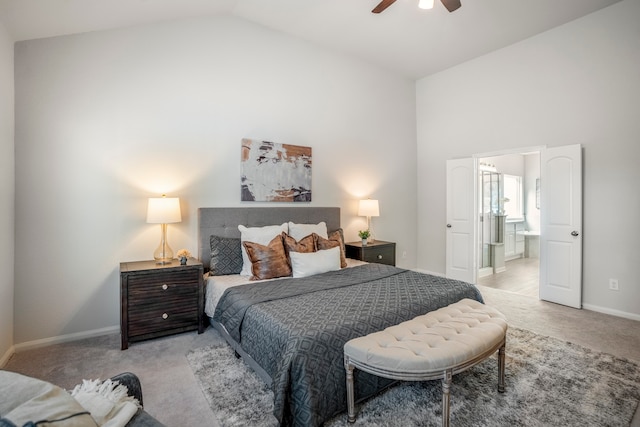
point(163, 210)
point(369, 208)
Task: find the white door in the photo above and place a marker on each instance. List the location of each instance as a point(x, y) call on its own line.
point(461, 220)
point(561, 225)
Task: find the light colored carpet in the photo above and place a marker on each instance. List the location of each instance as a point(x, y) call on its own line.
point(548, 382)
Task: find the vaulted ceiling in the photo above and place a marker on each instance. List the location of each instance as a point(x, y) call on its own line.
point(404, 39)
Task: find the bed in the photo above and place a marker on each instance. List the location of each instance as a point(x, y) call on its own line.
point(291, 331)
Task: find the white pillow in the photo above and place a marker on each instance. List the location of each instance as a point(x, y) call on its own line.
point(260, 235)
point(308, 264)
point(300, 231)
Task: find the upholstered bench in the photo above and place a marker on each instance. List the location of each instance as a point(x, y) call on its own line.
point(436, 345)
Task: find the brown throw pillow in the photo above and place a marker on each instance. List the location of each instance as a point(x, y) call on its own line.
point(305, 245)
point(335, 240)
point(268, 262)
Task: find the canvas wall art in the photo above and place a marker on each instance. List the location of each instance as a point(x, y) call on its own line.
point(273, 172)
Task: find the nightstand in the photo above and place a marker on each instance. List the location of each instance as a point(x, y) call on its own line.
point(379, 251)
point(158, 300)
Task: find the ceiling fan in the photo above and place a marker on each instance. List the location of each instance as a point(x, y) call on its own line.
point(451, 5)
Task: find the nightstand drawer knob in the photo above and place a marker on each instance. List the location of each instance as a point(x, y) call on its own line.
point(165, 316)
point(165, 287)
point(379, 256)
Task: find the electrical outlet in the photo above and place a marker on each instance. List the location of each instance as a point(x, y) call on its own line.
point(613, 284)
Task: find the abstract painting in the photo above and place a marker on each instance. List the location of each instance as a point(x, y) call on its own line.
point(273, 172)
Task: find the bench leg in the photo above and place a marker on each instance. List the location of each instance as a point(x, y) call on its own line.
point(351, 409)
point(446, 387)
point(501, 352)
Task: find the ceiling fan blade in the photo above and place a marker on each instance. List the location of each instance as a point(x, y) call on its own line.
point(383, 5)
point(451, 5)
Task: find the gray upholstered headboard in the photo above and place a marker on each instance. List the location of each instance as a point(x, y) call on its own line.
point(224, 222)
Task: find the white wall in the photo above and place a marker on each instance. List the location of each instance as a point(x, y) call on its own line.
point(7, 192)
point(106, 119)
point(575, 84)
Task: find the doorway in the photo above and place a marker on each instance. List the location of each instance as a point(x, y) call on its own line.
point(560, 236)
point(509, 222)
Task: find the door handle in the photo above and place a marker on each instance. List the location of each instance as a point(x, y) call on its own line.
point(574, 233)
point(448, 225)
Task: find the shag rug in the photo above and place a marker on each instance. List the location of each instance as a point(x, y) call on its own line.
point(549, 382)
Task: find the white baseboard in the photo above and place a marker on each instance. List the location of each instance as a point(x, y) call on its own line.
point(486, 271)
point(611, 311)
point(5, 357)
point(65, 338)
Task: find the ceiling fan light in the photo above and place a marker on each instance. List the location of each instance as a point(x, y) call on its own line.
point(425, 4)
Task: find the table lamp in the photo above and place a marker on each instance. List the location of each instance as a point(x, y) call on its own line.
point(369, 208)
point(163, 210)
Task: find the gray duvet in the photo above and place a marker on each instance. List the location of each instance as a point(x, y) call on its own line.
point(295, 329)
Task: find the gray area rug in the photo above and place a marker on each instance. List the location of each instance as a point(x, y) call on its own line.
point(549, 382)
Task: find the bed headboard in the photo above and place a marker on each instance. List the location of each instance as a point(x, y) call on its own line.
point(224, 222)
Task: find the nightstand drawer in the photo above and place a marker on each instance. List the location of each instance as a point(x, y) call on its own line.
point(143, 294)
point(160, 317)
point(382, 255)
point(155, 306)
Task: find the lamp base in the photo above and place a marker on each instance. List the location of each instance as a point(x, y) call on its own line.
point(371, 239)
point(163, 253)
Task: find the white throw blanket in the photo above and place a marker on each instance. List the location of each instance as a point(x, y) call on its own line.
point(107, 401)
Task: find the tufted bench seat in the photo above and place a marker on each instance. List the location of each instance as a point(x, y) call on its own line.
point(436, 345)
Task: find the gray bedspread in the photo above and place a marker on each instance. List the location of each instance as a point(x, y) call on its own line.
point(295, 329)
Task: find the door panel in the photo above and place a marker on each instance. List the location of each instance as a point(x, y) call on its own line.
point(561, 225)
point(558, 275)
point(460, 260)
point(461, 223)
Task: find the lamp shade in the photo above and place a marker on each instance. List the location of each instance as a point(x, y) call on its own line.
point(163, 210)
point(425, 4)
point(368, 207)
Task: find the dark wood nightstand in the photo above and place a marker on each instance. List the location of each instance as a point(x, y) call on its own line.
point(158, 300)
point(379, 251)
